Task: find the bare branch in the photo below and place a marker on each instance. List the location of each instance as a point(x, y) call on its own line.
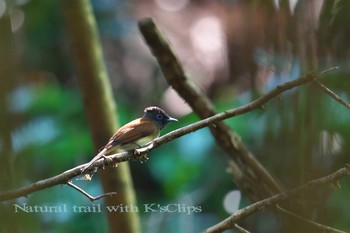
point(332, 94)
point(92, 198)
point(64, 177)
point(256, 104)
point(240, 229)
point(331, 179)
point(329, 69)
point(320, 227)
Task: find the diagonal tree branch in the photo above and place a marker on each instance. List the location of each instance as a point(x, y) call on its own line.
point(332, 94)
point(248, 174)
point(64, 177)
point(331, 179)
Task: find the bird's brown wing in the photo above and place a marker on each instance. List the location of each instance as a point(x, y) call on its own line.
point(128, 134)
point(132, 132)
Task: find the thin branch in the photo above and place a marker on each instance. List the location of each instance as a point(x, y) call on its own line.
point(64, 177)
point(332, 94)
point(321, 227)
point(240, 229)
point(256, 104)
point(331, 179)
point(329, 69)
point(92, 198)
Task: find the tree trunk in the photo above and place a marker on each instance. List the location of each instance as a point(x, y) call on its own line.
point(100, 107)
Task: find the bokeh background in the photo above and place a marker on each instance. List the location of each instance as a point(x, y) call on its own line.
point(235, 50)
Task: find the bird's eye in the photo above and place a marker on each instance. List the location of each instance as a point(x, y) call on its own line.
point(159, 116)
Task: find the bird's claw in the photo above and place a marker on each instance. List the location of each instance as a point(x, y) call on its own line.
point(143, 158)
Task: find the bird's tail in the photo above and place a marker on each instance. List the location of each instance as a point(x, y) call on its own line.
point(97, 157)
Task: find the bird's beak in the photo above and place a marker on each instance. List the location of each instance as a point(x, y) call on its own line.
point(172, 119)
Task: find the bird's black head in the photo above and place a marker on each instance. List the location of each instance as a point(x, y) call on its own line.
point(159, 116)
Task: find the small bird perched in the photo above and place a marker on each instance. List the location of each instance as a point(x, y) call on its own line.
point(136, 133)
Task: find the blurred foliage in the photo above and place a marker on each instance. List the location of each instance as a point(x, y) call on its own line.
point(301, 135)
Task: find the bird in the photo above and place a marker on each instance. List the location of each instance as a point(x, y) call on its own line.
point(136, 133)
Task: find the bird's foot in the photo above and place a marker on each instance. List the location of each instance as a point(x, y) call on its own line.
point(105, 160)
point(143, 158)
point(142, 151)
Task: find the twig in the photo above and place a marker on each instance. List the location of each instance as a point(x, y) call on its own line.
point(332, 94)
point(329, 69)
point(92, 198)
point(64, 177)
point(240, 229)
point(229, 222)
point(321, 227)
